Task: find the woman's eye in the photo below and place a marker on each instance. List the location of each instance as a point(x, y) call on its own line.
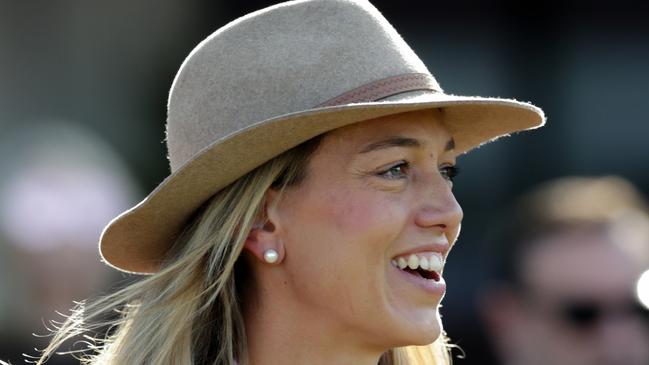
point(397, 171)
point(449, 172)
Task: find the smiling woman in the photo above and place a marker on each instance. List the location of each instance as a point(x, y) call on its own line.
point(309, 225)
point(344, 224)
point(337, 233)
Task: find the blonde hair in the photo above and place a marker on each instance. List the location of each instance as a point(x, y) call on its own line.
point(188, 313)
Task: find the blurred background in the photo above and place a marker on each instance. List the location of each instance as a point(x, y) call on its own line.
point(83, 88)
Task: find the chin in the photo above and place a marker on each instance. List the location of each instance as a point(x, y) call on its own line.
point(425, 333)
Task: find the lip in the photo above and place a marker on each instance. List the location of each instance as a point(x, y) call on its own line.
point(441, 247)
point(431, 287)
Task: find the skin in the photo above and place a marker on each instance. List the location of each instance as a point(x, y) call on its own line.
point(577, 265)
point(333, 297)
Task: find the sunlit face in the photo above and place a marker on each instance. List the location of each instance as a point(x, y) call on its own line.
point(375, 192)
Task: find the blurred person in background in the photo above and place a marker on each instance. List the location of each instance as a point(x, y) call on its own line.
point(566, 291)
point(61, 182)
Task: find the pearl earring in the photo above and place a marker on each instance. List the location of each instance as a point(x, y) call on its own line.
point(271, 256)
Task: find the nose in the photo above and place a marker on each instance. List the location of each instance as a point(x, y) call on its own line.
point(438, 208)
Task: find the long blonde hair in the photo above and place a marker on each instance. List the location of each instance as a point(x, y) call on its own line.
point(188, 313)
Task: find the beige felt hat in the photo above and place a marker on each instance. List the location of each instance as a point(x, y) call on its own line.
point(273, 79)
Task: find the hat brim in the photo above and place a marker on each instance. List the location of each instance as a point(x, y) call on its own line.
point(137, 240)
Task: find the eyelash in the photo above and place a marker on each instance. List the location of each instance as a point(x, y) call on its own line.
point(451, 171)
point(448, 172)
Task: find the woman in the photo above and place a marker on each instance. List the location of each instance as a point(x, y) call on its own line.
point(309, 211)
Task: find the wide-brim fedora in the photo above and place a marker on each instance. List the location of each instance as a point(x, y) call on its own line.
point(273, 79)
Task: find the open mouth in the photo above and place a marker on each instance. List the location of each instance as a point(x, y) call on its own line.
point(423, 265)
point(428, 275)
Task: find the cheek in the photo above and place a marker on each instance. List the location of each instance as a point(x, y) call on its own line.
point(365, 222)
point(339, 240)
point(357, 214)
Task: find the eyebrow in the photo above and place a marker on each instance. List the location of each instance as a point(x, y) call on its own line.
point(401, 142)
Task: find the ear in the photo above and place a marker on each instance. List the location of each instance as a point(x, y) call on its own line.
point(265, 234)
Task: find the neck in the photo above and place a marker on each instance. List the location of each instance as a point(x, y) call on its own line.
point(282, 332)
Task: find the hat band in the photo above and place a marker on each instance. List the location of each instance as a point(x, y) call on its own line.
point(379, 89)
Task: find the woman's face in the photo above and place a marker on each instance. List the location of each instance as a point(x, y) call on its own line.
point(377, 193)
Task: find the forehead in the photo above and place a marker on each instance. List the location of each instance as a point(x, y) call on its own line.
point(425, 126)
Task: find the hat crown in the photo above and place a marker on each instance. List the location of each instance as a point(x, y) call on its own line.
point(287, 58)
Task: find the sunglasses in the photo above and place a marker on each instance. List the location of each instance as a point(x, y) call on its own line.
point(588, 314)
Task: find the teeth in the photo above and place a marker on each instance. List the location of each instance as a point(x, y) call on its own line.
point(413, 262)
point(427, 261)
point(435, 263)
point(423, 263)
